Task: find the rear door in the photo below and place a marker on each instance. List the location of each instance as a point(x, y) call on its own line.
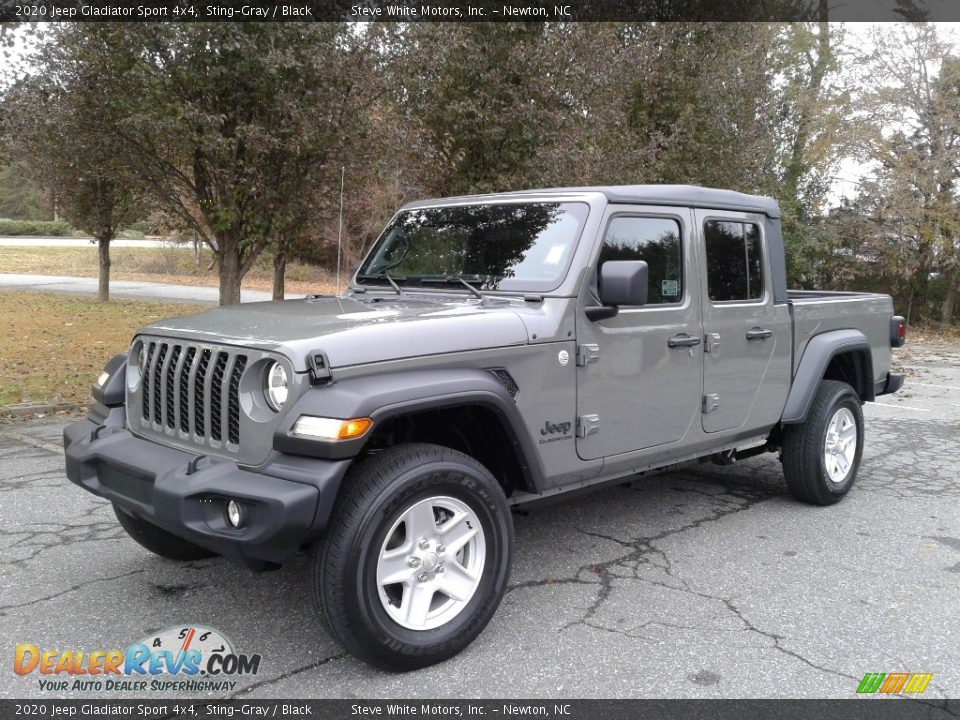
point(743, 334)
point(639, 374)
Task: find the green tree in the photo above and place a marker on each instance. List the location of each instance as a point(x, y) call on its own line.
point(61, 133)
point(750, 106)
point(21, 196)
point(230, 126)
point(810, 124)
point(477, 100)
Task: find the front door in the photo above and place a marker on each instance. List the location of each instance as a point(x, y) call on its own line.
point(640, 372)
point(741, 329)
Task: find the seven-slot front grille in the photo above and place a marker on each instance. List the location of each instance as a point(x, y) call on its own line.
point(192, 390)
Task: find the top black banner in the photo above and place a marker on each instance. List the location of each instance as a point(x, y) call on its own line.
point(478, 10)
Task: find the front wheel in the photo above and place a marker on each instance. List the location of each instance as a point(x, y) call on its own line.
point(417, 556)
point(821, 456)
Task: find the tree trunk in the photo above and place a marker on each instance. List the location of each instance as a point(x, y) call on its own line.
point(950, 301)
point(103, 287)
point(230, 277)
point(279, 274)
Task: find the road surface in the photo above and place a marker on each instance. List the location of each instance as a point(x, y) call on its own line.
point(62, 242)
point(130, 289)
point(703, 582)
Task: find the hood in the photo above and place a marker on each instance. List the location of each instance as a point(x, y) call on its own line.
point(352, 332)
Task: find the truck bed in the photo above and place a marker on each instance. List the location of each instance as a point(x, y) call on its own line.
point(817, 311)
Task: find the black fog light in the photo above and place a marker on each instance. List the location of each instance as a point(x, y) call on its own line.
point(236, 515)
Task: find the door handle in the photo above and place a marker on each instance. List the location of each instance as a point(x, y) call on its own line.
point(683, 341)
point(758, 334)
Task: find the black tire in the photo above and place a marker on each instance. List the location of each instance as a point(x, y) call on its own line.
point(804, 466)
point(376, 495)
point(160, 542)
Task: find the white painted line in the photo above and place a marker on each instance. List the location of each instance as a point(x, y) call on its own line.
point(902, 407)
point(948, 387)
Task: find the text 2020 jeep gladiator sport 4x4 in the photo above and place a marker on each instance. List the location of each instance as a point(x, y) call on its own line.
point(491, 351)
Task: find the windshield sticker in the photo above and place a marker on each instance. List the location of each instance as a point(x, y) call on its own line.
point(670, 288)
point(555, 255)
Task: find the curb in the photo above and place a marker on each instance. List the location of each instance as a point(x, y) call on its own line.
point(21, 409)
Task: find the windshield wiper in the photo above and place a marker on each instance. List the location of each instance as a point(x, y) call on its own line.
point(467, 285)
point(453, 278)
point(384, 274)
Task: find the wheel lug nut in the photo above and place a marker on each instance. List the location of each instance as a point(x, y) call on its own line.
point(413, 562)
point(440, 569)
point(424, 544)
point(441, 548)
point(422, 577)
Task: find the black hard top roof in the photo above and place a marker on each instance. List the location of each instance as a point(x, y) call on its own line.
point(683, 195)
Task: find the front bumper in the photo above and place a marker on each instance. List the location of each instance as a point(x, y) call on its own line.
point(288, 500)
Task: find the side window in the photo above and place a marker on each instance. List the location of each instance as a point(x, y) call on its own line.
point(655, 240)
point(734, 261)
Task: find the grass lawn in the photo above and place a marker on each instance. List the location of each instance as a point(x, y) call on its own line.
point(165, 265)
point(52, 347)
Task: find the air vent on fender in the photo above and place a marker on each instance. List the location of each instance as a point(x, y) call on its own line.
point(505, 379)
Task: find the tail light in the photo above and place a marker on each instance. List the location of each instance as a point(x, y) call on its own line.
point(898, 331)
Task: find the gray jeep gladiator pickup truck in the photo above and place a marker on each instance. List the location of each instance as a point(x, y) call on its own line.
point(491, 351)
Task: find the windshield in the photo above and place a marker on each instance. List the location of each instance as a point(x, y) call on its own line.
point(515, 247)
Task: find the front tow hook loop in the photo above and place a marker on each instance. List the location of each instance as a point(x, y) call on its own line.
point(96, 432)
point(193, 464)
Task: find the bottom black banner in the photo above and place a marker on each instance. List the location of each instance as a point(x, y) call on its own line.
point(873, 708)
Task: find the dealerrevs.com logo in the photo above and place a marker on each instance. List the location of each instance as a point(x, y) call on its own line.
point(188, 658)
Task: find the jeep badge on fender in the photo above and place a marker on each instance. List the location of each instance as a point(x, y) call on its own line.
point(550, 428)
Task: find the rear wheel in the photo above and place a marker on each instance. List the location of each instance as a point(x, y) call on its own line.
point(416, 558)
point(821, 456)
point(160, 542)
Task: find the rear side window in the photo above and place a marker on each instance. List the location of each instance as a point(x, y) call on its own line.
point(734, 261)
point(654, 240)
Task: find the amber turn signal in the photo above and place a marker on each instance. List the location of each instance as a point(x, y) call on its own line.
point(354, 428)
point(331, 428)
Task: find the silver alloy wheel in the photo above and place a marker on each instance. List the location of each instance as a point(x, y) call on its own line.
point(430, 563)
point(840, 445)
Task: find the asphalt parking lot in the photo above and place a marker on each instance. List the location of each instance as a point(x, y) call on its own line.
point(702, 582)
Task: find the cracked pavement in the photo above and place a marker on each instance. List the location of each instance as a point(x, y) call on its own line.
point(702, 582)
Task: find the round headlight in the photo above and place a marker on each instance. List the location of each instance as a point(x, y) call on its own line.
point(276, 389)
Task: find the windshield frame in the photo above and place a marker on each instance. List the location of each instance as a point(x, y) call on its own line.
point(452, 288)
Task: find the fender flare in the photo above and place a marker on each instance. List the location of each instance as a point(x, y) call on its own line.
point(820, 350)
point(389, 395)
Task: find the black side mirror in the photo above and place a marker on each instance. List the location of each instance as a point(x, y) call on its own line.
point(622, 282)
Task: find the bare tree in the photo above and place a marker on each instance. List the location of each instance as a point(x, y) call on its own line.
point(910, 131)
